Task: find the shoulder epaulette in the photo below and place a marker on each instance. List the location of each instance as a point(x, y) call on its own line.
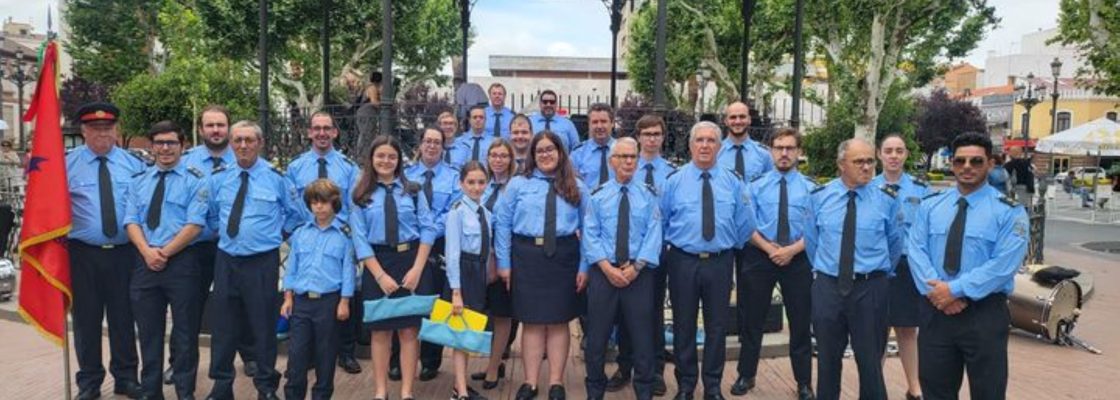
point(597, 189)
point(137, 175)
point(276, 170)
point(345, 228)
point(1008, 201)
point(932, 194)
point(890, 192)
point(194, 171)
point(652, 189)
point(411, 187)
point(736, 173)
point(920, 182)
point(673, 172)
point(757, 178)
point(456, 204)
point(137, 156)
point(577, 146)
point(218, 169)
point(818, 188)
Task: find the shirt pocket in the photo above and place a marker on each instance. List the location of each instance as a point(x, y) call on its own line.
point(264, 203)
point(334, 255)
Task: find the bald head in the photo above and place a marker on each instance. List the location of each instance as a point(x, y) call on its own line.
point(737, 117)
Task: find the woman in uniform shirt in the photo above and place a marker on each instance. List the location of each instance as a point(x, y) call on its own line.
point(538, 253)
point(468, 250)
point(498, 305)
point(392, 223)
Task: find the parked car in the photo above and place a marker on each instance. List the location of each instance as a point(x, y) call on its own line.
point(1080, 174)
point(7, 279)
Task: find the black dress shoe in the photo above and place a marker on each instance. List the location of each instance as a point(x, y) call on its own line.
point(526, 392)
point(167, 374)
point(618, 381)
point(481, 376)
point(805, 392)
point(395, 374)
point(913, 397)
point(350, 365)
point(250, 368)
point(683, 396)
point(742, 386)
point(659, 387)
point(556, 392)
point(129, 389)
point(91, 394)
point(427, 374)
point(267, 396)
point(713, 396)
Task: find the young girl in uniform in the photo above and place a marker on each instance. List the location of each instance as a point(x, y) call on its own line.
point(468, 253)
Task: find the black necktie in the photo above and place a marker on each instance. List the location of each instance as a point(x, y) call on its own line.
point(447, 155)
point(548, 123)
point(497, 124)
point(474, 150)
point(740, 164)
point(783, 213)
point(550, 220)
point(234, 226)
point(108, 205)
point(392, 230)
point(215, 162)
point(485, 227)
point(155, 207)
point(322, 168)
point(622, 240)
point(603, 174)
point(428, 185)
point(956, 239)
point(493, 196)
point(649, 174)
point(708, 209)
point(848, 248)
point(894, 187)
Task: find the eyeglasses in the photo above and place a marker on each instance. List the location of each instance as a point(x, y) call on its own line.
point(433, 142)
point(318, 129)
point(543, 101)
point(545, 150)
point(497, 156)
point(244, 140)
point(863, 162)
point(784, 149)
point(972, 161)
point(650, 134)
point(165, 143)
point(625, 157)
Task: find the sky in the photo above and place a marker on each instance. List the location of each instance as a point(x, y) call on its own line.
point(582, 27)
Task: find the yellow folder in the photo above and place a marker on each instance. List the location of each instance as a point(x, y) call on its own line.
point(475, 320)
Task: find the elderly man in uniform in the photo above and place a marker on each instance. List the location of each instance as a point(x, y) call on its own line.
point(853, 239)
point(323, 161)
point(702, 236)
point(167, 207)
point(547, 120)
point(776, 254)
point(98, 174)
point(965, 246)
point(255, 206)
point(590, 157)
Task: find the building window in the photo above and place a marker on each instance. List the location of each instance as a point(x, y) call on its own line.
point(1063, 120)
point(1111, 115)
point(1059, 165)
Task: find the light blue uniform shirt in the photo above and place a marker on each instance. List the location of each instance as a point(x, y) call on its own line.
point(321, 260)
point(766, 193)
point(200, 158)
point(756, 158)
point(682, 210)
point(186, 200)
point(445, 189)
point(586, 160)
point(494, 189)
point(464, 235)
point(561, 126)
point(507, 115)
point(414, 219)
point(340, 170)
point(520, 211)
point(878, 229)
point(600, 225)
point(996, 233)
point(660, 170)
point(271, 207)
point(82, 177)
point(910, 193)
point(463, 148)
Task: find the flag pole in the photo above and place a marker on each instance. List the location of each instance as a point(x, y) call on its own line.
point(66, 353)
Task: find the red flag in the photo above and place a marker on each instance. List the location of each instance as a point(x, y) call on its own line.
point(44, 291)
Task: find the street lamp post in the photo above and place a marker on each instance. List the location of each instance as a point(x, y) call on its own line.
point(615, 8)
point(1028, 98)
point(20, 77)
point(1056, 68)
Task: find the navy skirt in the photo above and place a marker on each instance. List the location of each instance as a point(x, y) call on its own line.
point(396, 265)
point(544, 288)
point(472, 282)
point(905, 301)
point(499, 301)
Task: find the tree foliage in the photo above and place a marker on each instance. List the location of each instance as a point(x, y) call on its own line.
point(941, 118)
point(1094, 27)
point(112, 40)
point(820, 143)
point(77, 91)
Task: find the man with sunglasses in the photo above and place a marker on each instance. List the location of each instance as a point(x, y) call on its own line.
point(965, 246)
point(324, 161)
point(853, 237)
point(547, 120)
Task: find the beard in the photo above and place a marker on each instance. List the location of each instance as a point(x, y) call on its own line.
point(217, 146)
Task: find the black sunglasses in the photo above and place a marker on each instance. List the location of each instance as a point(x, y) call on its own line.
point(972, 161)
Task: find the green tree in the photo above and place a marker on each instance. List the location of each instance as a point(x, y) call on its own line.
point(897, 116)
point(113, 40)
point(941, 119)
point(870, 45)
point(1094, 27)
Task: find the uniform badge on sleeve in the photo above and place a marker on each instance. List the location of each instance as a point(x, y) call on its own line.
point(1020, 229)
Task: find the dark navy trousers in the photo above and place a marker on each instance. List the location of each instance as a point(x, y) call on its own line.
point(152, 292)
point(632, 308)
point(312, 338)
point(100, 279)
point(860, 317)
point(245, 285)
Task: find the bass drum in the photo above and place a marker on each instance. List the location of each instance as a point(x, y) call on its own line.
point(1047, 312)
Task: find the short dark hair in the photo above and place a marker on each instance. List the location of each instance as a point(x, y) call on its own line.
point(473, 166)
point(649, 121)
point(218, 108)
point(972, 139)
point(323, 191)
point(548, 91)
point(480, 106)
point(165, 126)
point(601, 107)
point(783, 132)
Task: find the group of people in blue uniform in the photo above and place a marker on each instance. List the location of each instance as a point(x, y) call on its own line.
point(516, 218)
